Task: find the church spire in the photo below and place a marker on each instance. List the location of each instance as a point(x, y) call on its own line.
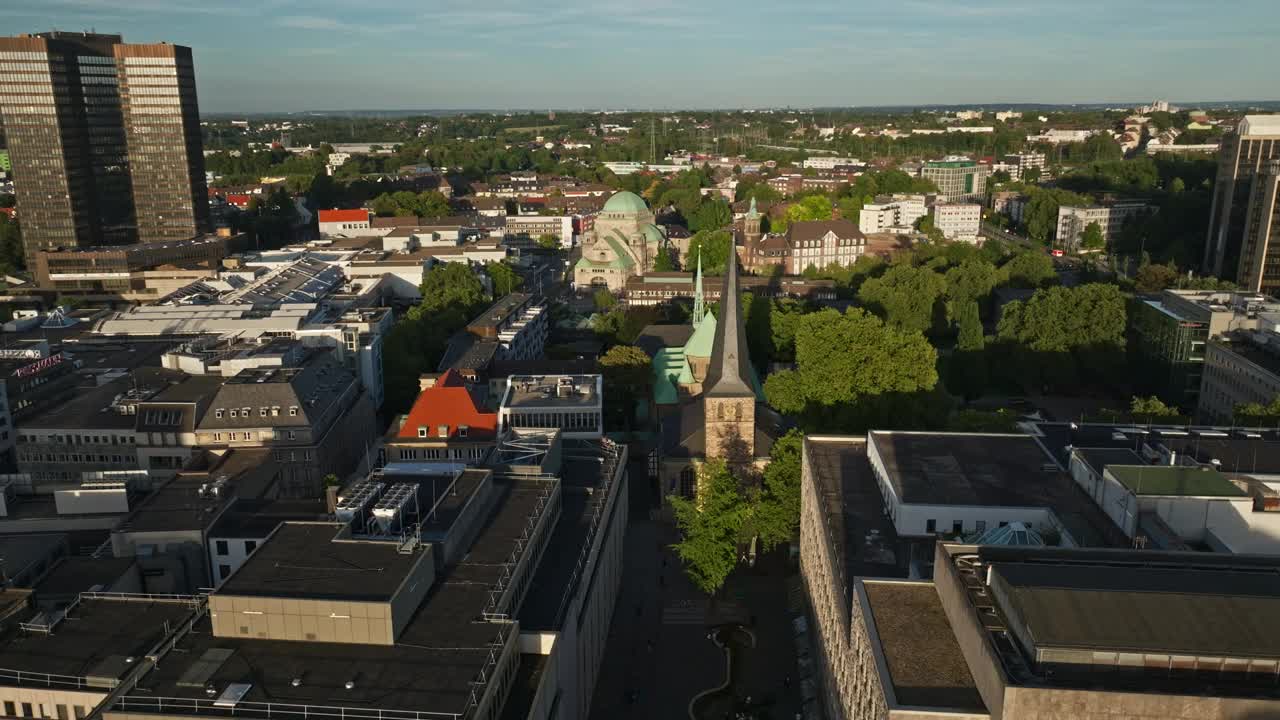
point(729, 374)
point(699, 309)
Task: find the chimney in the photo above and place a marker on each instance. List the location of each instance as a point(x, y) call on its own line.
point(426, 381)
point(331, 499)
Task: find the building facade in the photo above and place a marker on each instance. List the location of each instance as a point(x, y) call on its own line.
point(623, 242)
point(105, 140)
point(1255, 140)
point(1259, 269)
point(819, 243)
point(958, 221)
point(1110, 217)
point(957, 179)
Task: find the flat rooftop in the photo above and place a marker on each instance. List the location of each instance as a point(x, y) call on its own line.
point(1189, 610)
point(924, 660)
point(501, 311)
point(1175, 480)
point(964, 468)
point(94, 632)
point(1236, 450)
point(865, 540)
point(307, 560)
point(529, 391)
point(1099, 458)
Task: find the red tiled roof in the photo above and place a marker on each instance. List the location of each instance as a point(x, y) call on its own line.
point(237, 199)
point(448, 403)
point(360, 215)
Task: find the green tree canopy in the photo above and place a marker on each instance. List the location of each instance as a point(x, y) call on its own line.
point(775, 516)
point(712, 214)
point(711, 526)
point(1092, 238)
point(1151, 407)
point(452, 285)
point(505, 278)
point(1028, 269)
point(628, 377)
point(1060, 332)
point(1257, 414)
point(844, 359)
point(811, 207)
point(714, 246)
point(905, 296)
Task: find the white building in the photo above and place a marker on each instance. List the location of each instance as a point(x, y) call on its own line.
point(830, 163)
point(344, 223)
point(572, 403)
point(958, 221)
point(960, 483)
point(892, 213)
point(1007, 115)
point(1061, 136)
point(532, 227)
point(1111, 219)
point(981, 130)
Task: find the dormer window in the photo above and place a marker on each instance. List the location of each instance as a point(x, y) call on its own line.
point(443, 430)
point(293, 410)
point(218, 413)
point(462, 430)
point(422, 431)
point(233, 412)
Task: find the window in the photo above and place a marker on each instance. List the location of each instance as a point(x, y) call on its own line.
point(688, 482)
point(931, 526)
point(293, 410)
point(233, 412)
point(262, 412)
point(957, 527)
point(221, 547)
point(442, 431)
point(422, 431)
point(224, 571)
point(275, 410)
point(27, 710)
point(250, 546)
point(9, 709)
point(244, 412)
point(81, 712)
point(462, 430)
point(980, 526)
point(292, 435)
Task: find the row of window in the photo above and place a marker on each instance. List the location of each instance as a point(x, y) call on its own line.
point(472, 453)
point(274, 410)
point(221, 547)
point(30, 710)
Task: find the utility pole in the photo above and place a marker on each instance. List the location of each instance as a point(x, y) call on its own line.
point(653, 143)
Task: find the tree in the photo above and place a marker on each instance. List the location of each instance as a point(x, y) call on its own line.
point(843, 361)
point(1092, 238)
point(505, 278)
point(1028, 270)
point(714, 247)
point(775, 515)
point(1257, 414)
point(663, 262)
point(712, 214)
point(904, 296)
point(925, 225)
point(451, 285)
point(1151, 407)
point(1060, 331)
point(548, 242)
point(1030, 175)
point(968, 367)
point(1152, 278)
point(971, 281)
point(812, 207)
point(628, 376)
point(711, 526)
point(12, 258)
point(1041, 214)
point(604, 300)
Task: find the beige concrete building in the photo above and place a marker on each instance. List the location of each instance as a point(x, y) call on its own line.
point(1255, 140)
point(1239, 369)
point(1025, 633)
point(1259, 269)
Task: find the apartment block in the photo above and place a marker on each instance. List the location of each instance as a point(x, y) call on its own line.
point(957, 179)
point(1259, 269)
point(958, 221)
point(1111, 218)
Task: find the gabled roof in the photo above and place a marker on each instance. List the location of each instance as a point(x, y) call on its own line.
point(358, 215)
point(448, 403)
point(702, 342)
point(815, 229)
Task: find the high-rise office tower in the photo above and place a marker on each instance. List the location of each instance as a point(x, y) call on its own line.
point(97, 159)
point(1260, 252)
point(162, 133)
point(1242, 154)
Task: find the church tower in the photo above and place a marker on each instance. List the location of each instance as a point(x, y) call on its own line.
point(729, 399)
point(751, 225)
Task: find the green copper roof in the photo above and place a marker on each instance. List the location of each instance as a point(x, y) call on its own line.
point(703, 338)
point(752, 212)
point(626, 202)
point(653, 235)
point(620, 251)
point(669, 370)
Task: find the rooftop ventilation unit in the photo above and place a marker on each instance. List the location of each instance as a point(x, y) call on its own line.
point(353, 504)
point(388, 513)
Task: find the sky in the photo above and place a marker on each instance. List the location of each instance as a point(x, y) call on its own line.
point(295, 55)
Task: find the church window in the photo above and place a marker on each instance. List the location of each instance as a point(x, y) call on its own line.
point(688, 482)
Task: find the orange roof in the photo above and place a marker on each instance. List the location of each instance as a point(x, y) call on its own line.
point(448, 404)
point(360, 215)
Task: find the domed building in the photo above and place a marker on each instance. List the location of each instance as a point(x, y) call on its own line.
point(624, 242)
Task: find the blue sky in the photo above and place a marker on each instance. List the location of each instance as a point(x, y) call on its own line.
point(290, 55)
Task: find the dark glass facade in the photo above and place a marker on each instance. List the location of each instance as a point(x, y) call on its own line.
point(82, 115)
